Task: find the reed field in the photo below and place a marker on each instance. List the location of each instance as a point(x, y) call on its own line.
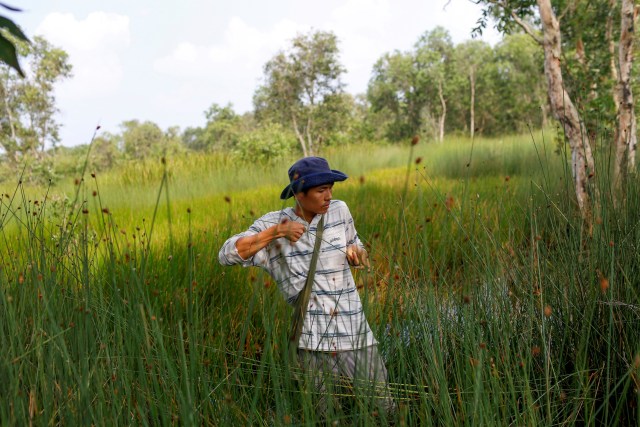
point(492, 303)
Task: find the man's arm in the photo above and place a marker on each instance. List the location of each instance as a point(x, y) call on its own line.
point(248, 246)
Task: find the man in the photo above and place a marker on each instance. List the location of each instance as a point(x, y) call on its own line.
point(335, 338)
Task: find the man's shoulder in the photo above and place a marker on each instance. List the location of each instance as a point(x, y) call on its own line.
point(338, 207)
point(338, 204)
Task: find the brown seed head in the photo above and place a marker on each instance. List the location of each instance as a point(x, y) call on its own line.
point(604, 284)
point(418, 160)
point(227, 199)
point(415, 140)
point(548, 311)
point(535, 351)
point(450, 202)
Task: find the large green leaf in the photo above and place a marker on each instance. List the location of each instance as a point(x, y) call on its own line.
point(8, 54)
point(12, 28)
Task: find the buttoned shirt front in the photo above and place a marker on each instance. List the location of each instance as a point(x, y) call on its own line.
point(335, 317)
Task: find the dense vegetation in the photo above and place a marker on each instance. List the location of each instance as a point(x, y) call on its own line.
point(300, 107)
point(491, 304)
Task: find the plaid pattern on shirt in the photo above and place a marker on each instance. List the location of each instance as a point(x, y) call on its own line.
point(335, 318)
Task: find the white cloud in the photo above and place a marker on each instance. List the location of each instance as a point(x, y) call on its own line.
point(358, 15)
point(243, 47)
point(94, 45)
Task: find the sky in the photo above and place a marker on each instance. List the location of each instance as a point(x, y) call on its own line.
point(168, 62)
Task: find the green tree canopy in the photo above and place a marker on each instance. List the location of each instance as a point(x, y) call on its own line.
point(28, 122)
point(303, 90)
point(140, 140)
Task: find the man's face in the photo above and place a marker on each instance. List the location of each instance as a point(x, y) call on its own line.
point(316, 200)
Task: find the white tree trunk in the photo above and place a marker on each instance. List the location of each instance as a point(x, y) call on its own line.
point(301, 140)
point(565, 111)
point(626, 138)
point(443, 115)
point(12, 147)
point(472, 106)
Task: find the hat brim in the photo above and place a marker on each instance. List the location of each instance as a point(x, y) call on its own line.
point(310, 181)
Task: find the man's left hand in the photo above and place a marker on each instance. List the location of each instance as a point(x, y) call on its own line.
point(358, 257)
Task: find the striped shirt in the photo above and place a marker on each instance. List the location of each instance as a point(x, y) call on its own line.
point(335, 318)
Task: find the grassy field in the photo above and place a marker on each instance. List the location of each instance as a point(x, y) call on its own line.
point(491, 302)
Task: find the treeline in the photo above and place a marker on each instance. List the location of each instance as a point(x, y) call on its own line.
point(435, 88)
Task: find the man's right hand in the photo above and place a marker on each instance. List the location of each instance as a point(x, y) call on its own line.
point(291, 230)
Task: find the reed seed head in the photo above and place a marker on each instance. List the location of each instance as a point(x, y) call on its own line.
point(604, 284)
point(548, 311)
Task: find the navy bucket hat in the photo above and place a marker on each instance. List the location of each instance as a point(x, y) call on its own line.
point(310, 172)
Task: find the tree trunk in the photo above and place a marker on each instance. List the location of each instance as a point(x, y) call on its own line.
point(565, 111)
point(443, 115)
point(472, 106)
point(303, 144)
point(310, 145)
point(11, 147)
point(626, 139)
point(612, 53)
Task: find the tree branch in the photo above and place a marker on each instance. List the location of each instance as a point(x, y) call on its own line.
point(523, 24)
point(527, 28)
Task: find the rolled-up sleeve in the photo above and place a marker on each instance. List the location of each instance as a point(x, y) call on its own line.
point(228, 254)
